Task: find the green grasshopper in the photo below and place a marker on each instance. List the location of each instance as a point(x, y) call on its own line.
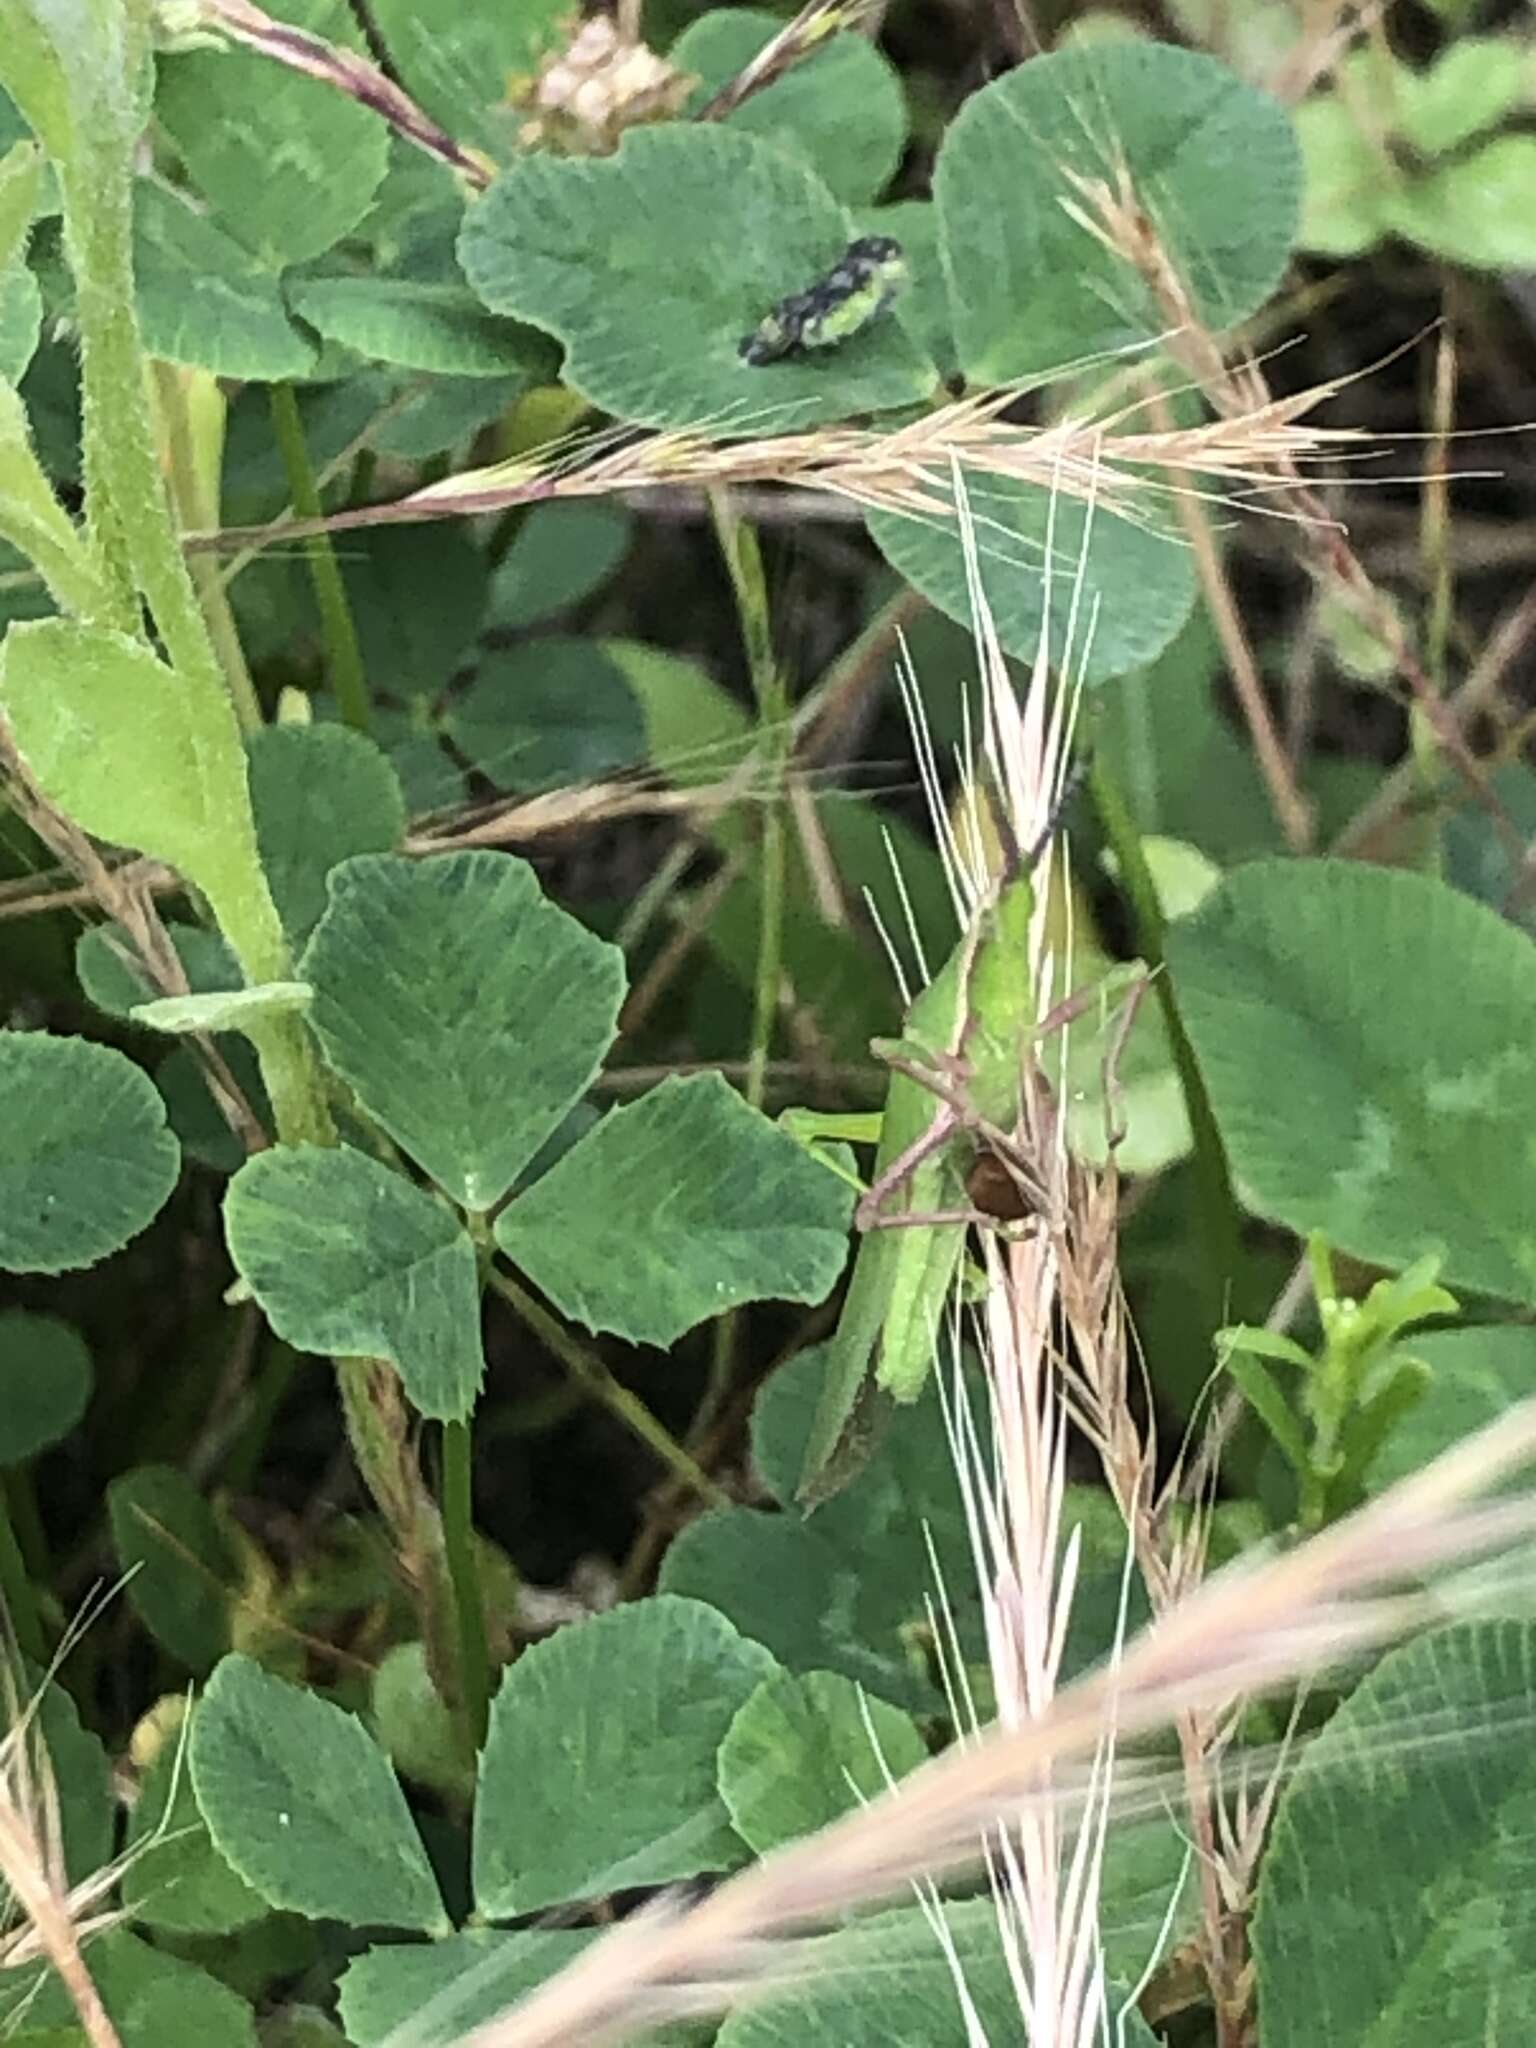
point(956, 1079)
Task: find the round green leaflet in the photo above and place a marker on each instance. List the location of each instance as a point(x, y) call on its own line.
point(652, 264)
point(1211, 165)
point(86, 1160)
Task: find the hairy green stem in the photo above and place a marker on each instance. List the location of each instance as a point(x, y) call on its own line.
point(292, 1078)
point(128, 510)
point(586, 1367)
point(775, 737)
point(344, 658)
point(193, 477)
point(126, 505)
point(128, 515)
point(379, 1432)
point(474, 1688)
point(38, 527)
point(653, 893)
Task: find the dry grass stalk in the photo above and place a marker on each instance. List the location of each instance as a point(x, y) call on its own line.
point(1065, 1278)
point(1170, 1553)
point(45, 1918)
point(517, 821)
point(1168, 1528)
point(818, 721)
point(345, 70)
point(1044, 1857)
point(1044, 1876)
point(795, 41)
point(1111, 210)
point(45, 889)
point(906, 469)
point(1111, 213)
point(1332, 28)
point(118, 891)
point(1259, 1624)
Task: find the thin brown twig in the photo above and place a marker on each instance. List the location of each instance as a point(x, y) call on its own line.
point(1292, 811)
point(524, 820)
point(125, 896)
point(1510, 636)
point(43, 890)
point(643, 997)
point(816, 721)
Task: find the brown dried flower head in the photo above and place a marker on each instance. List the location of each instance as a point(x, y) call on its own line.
point(601, 83)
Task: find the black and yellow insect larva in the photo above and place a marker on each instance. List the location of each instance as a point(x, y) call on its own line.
point(855, 291)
